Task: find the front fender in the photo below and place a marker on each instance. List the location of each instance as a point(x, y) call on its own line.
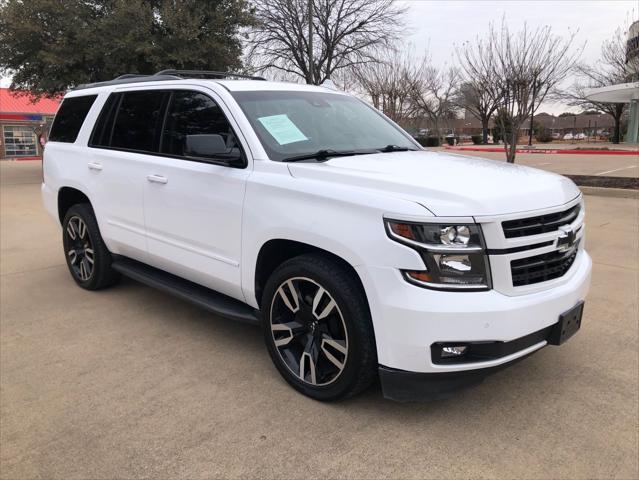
point(346, 223)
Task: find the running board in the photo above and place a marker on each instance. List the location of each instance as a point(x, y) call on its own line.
point(206, 298)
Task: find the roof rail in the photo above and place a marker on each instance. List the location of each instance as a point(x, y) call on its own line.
point(207, 74)
point(128, 78)
point(166, 75)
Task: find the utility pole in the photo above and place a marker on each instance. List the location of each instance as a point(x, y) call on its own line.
point(310, 43)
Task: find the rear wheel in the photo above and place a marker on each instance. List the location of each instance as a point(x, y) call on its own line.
point(87, 256)
point(317, 328)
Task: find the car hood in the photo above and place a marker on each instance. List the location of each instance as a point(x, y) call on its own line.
point(446, 184)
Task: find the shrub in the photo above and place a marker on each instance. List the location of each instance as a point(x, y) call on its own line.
point(477, 139)
point(544, 136)
point(429, 141)
point(451, 140)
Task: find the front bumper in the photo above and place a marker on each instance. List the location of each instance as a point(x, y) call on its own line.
point(409, 319)
point(403, 386)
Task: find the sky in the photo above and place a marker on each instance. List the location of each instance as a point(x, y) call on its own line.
point(437, 26)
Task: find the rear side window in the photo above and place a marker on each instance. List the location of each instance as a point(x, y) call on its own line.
point(138, 121)
point(70, 118)
point(101, 136)
point(193, 113)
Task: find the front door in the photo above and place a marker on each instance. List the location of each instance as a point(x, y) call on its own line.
point(193, 208)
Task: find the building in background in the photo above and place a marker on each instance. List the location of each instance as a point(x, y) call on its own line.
point(625, 92)
point(593, 125)
point(24, 124)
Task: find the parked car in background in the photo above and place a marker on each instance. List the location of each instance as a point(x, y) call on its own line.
point(556, 136)
point(308, 213)
point(569, 136)
point(452, 139)
point(580, 136)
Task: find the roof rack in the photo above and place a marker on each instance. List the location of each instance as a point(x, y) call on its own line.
point(207, 74)
point(167, 75)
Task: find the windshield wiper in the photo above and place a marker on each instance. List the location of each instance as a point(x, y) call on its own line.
point(323, 155)
point(395, 148)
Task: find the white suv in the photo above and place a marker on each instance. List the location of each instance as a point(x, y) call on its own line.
point(306, 211)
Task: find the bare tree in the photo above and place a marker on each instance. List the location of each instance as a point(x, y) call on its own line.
point(345, 33)
point(478, 91)
point(390, 83)
point(527, 66)
point(434, 94)
point(612, 68)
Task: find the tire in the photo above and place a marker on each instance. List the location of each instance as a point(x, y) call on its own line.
point(88, 258)
point(321, 339)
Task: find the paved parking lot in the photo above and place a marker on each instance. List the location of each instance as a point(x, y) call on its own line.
point(599, 165)
point(129, 382)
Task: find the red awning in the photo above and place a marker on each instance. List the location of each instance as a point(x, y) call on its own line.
point(14, 102)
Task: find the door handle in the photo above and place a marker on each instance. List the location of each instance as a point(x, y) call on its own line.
point(94, 166)
point(157, 179)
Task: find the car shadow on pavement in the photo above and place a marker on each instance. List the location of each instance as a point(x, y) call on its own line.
point(245, 341)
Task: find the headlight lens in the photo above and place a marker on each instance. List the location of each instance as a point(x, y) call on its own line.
point(454, 255)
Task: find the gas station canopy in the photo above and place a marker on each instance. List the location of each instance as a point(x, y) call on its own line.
point(621, 93)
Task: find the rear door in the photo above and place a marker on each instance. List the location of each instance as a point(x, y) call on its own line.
point(124, 143)
point(193, 208)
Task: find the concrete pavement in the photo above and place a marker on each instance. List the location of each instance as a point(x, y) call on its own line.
point(587, 164)
point(129, 382)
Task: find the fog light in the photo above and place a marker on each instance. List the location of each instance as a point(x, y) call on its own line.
point(453, 351)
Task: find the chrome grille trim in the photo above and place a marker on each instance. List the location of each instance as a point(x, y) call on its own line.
point(523, 227)
point(541, 268)
point(502, 251)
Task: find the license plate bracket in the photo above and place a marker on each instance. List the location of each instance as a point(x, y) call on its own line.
point(569, 323)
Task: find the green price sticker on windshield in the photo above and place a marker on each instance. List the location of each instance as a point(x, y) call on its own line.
point(282, 129)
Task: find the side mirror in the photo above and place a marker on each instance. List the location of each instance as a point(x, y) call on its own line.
point(212, 148)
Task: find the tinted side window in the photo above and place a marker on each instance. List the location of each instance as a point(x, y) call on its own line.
point(70, 118)
point(101, 136)
point(138, 121)
point(193, 113)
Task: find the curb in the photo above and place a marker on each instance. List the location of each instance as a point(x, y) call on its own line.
point(610, 192)
point(546, 151)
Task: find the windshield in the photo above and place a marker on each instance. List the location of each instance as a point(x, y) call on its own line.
point(291, 123)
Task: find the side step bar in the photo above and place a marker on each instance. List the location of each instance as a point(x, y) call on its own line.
point(206, 298)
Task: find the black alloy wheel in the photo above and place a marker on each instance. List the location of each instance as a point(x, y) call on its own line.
point(317, 327)
point(79, 248)
point(88, 258)
point(308, 331)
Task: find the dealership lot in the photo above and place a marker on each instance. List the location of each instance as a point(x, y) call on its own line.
point(571, 164)
point(129, 382)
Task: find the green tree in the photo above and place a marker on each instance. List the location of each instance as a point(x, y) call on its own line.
point(51, 45)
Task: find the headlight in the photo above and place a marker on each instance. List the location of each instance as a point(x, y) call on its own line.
point(454, 254)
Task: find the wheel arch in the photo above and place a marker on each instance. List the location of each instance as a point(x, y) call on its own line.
point(274, 252)
point(67, 197)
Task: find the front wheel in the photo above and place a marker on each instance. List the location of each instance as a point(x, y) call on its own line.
point(317, 328)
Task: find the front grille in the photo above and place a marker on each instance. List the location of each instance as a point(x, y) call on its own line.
point(523, 227)
point(541, 268)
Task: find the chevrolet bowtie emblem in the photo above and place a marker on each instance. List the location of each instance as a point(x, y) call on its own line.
point(566, 238)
